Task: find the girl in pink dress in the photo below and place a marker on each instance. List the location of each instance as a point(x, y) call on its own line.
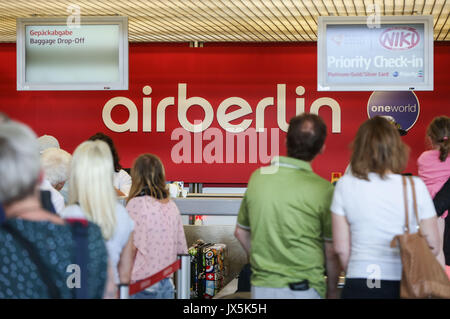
point(158, 235)
point(434, 165)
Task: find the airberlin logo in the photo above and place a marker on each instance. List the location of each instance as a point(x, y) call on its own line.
point(223, 117)
point(399, 38)
point(199, 143)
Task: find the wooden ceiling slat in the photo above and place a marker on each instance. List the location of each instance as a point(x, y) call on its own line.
point(289, 31)
point(440, 12)
point(236, 9)
point(222, 20)
point(299, 22)
point(442, 28)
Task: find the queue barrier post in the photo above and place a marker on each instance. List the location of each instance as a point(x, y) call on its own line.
point(124, 291)
point(184, 277)
point(183, 268)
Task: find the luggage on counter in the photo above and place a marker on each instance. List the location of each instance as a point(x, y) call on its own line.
point(197, 289)
point(207, 269)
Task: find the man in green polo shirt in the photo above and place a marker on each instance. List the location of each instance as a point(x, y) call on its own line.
point(284, 222)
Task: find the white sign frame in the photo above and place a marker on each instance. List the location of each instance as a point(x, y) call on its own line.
point(122, 84)
point(323, 85)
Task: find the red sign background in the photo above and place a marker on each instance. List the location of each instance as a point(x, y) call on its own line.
point(215, 72)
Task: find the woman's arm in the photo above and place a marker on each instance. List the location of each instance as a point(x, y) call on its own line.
point(341, 239)
point(111, 291)
point(126, 261)
point(429, 229)
point(244, 237)
point(333, 270)
point(125, 182)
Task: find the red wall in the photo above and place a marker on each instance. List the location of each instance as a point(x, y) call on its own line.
point(215, 72)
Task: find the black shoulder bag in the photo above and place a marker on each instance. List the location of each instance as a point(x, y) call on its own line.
point(80, 238)
point(44, 273)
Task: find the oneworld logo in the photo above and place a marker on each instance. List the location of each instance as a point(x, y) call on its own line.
point(402, 106)
point(399, 38)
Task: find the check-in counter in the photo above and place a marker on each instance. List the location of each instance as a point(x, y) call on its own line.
point(218, 205)
point(215, 205)
point(210, 204)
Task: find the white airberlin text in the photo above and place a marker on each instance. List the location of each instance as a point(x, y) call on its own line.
point(224, 117)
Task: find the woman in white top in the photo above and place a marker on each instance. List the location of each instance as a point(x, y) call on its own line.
point(121, 179)
point(92, 196)
point(368, 211)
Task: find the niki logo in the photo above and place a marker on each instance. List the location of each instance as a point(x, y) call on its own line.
point(338, 39)
point(399, 38)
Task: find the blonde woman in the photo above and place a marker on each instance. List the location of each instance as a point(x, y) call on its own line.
point(159, 234)
point(92, 196)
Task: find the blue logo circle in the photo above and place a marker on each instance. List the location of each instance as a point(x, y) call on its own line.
point(395, 74)
point(402, 106)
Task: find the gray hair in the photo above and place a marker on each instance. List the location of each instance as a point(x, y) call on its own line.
point(19, 162)
point(47, 141)
point(56, 165)
point(3, 117)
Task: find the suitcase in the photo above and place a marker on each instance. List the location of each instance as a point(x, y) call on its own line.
point(207, 269)
point(197, 273)
point(214, 258)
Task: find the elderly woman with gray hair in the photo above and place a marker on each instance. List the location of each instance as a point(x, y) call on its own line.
point(38, 248)
point(56, 165)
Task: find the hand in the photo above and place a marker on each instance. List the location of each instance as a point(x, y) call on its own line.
point(332, 294)
point(119, 192)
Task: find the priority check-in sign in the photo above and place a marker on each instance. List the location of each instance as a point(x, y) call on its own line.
point(392, 56)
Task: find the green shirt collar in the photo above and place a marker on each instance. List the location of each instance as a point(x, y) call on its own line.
point(291, 162)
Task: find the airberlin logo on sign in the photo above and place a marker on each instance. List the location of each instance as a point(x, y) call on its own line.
point(399, 38)
point(223, 117)
point(219, 147)
point(402, 106)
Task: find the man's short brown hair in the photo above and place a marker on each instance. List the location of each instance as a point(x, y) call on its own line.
point(305, 137)
point(378, 148)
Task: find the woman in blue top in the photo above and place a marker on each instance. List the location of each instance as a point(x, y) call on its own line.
point(37, 251)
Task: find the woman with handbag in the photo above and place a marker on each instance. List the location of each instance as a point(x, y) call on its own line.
point(368, 212)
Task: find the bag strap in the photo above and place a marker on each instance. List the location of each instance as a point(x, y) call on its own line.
point(411, 180)
point(405, 200)
point(43, 270)
point(80, 239)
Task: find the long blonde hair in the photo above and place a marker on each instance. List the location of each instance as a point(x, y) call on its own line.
point(91, 185)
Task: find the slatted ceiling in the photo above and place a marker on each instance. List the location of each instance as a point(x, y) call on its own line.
point(223, 20)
